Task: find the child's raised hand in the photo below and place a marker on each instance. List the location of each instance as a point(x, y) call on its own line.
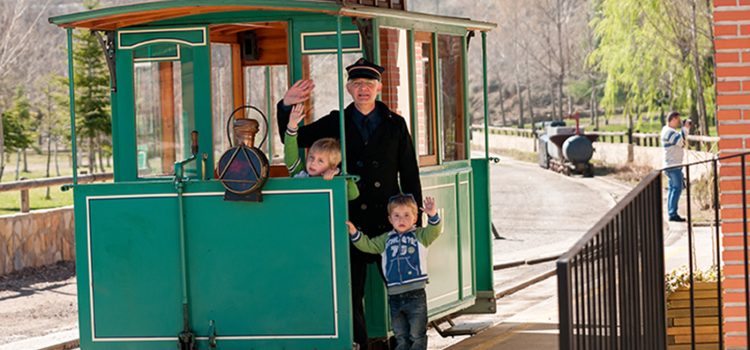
point(429, 206)
point(297, 114)
point(352, 229)
point(330, 173)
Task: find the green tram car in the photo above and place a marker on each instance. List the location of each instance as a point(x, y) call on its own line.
point(163, 257)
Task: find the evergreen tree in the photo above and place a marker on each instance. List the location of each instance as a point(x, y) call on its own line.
point(93, 113)
point(17, 128)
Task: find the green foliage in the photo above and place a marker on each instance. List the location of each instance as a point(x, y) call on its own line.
point(93, 113)
point(645, 52)
point(17, 124)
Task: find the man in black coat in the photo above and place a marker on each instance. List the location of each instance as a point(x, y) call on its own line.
point(378, 148)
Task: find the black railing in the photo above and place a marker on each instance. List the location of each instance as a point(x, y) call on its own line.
point(611, 283)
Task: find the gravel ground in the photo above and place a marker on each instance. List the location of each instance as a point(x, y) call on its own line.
point(38, 301)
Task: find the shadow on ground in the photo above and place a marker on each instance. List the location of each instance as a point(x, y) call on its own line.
point(513, 336)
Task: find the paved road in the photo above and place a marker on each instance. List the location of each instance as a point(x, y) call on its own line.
point(540, 212)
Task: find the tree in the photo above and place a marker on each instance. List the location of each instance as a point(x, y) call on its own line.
point(93, 113)
point(17, 135)
point(652, 49)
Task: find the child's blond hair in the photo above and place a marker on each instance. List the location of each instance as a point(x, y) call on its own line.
point(329, 147)
point(401, 199)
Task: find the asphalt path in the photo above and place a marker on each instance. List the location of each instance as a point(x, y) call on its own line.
point(541, 213)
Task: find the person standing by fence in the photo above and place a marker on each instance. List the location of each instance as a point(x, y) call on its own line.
point(673, 142)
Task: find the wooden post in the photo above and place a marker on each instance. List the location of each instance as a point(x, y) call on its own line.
point(24, 198)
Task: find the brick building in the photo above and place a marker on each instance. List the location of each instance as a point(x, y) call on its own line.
point(732, 39)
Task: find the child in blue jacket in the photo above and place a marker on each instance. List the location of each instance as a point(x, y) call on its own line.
point(404, 261)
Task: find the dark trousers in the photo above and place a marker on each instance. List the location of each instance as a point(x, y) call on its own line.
point(359, 275)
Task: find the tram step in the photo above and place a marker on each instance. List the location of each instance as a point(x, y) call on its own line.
point(461, 329)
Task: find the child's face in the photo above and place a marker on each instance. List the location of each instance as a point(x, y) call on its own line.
point(317, 163)
point(402, 218)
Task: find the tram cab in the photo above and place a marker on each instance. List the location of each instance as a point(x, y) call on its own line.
point(162, 256)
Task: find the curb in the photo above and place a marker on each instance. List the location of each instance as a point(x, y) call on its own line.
point(523, 285)
point(531, 261)
point(64, 340)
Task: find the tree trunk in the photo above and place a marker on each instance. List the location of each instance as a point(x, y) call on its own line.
point(92, 155)
point(702, 115)
point(2, 149)
point(528, 98)
point(501, 98)
point(57, 159)
point(594, 109)
point(25, 162)
point(49, 157)
point(99, 147)
point(18, 164)
point(553, 98)
point(519, 96)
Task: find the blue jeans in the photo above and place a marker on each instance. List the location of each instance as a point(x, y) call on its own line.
point(675, 189)
point(409, 319)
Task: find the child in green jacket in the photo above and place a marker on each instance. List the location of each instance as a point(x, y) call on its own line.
point(404, 261)
point(323, 158)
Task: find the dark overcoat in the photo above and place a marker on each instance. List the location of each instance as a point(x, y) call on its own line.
point(387, 160)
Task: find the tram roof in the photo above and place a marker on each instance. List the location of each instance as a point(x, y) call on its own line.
point(111, 18)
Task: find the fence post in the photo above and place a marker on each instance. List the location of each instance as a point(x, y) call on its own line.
point(24, 199)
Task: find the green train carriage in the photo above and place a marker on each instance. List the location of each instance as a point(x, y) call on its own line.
point(162, 256)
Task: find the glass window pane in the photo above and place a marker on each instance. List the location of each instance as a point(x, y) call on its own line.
point(322, 70)
point(160, 132)
point(258, 79)
point(424, 82)
point(451, 95)
point(221, 95)
point(395, 58)
point(476, 91)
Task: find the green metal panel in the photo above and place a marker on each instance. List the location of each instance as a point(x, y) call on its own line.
point(161, 51)
point(466, 251)
point(482, 222)
point(130, 39)
point(325, 42)
point(442, 257)
point(266, 281)
point(123, 123)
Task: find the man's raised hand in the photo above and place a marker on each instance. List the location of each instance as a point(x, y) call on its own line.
point(299, 92)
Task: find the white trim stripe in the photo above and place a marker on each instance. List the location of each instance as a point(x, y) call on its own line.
point(335, 296)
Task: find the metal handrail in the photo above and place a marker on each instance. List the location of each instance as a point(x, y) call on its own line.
point(611, 289)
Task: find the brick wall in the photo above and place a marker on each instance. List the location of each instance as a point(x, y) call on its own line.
point(732, 30)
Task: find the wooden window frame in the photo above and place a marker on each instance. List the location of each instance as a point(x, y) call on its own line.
point(429, 159)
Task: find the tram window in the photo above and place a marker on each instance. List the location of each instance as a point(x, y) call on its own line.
point(451, 96)
point(260, 81)
point(221, 94)
point(394, 57)
point(160, 130)
point(476, 91)
point(322, 68)
point(425, 99)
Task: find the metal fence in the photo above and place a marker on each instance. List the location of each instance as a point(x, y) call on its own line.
point(611, 283)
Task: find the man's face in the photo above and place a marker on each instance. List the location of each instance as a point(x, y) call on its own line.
point(363, 91)
point(675, 122)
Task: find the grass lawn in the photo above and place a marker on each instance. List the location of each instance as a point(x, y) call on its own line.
point(10, 202)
